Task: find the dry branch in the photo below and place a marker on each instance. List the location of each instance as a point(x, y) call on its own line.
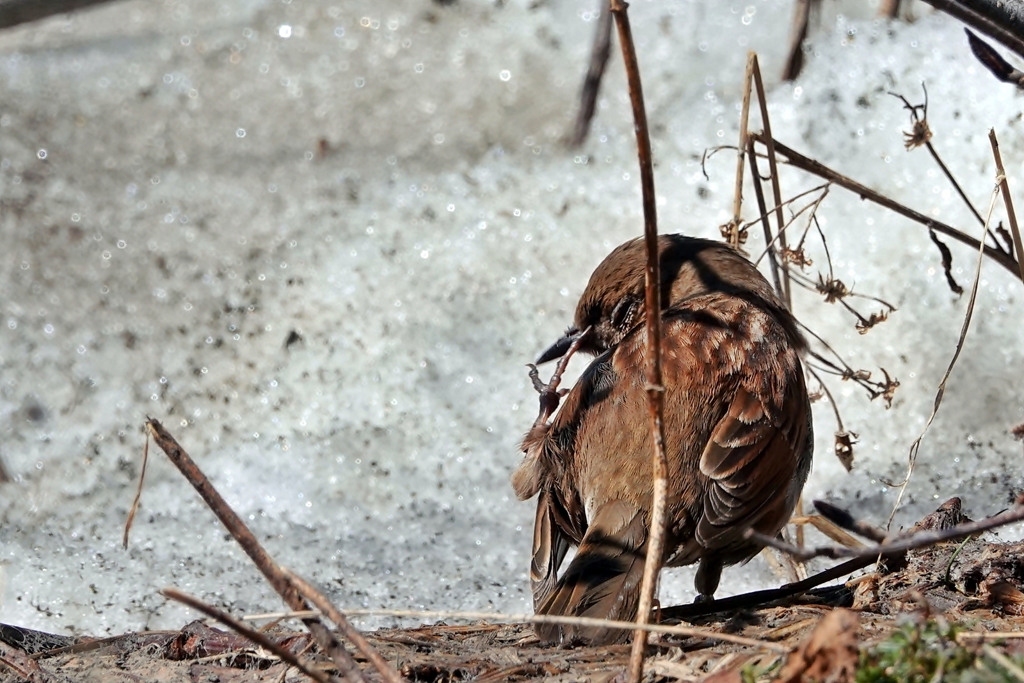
point(899, 544)
point(320, 601)
point(762, 207)
point(595, 72)
point(14, 12)
point(245, 538)
point(797, 36)
point(798, 160)
point(999, 19)
point(733, 233)
point(652, 303)
point(1004, 189)
point(773, 169)
point(241, 629)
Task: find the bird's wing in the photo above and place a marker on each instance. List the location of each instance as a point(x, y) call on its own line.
point(751, 461)
point(549, 548)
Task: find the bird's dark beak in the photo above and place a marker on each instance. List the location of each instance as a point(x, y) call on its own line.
point(560, 347)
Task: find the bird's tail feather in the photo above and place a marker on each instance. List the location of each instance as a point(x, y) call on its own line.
point(603, 579)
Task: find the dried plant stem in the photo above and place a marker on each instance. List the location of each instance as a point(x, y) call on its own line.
point(1004, 188)
point(491, 617)
point(1003, 661)
point(797, 160)
point(762, 208)
point(652, 303)
point(954, 183)
point(941, 391)
point(900, 544)
point(259, 556)
point(592, 82)
point(326, 607)
point(797, 36)
point(1003, 21)
point(755, 599)
point(138, 494)
point(741, 149)
point(773, 169)
point(890, 9)
point(240, 628)
point(812, 207)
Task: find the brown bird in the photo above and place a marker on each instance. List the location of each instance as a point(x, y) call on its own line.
point(737, 425)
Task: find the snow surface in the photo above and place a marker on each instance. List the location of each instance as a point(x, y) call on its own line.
point(184, 186)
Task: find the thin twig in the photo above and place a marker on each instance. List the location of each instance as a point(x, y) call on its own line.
point(812, 207)
point(259, 556)
point(797, 160)
point(261, 639)
point(988, 635)
point(652, 303)
point(352, 634)
point(1004, 188)
point(595, 72)
point(755, 599)
point(844, 440)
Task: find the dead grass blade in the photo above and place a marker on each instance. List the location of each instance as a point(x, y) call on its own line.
point(762, 207)
point(138, 494)
point(940, 392)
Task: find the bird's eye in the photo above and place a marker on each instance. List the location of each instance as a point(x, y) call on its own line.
point(623, 313)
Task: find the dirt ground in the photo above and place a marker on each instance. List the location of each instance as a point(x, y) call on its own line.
point(818, 636)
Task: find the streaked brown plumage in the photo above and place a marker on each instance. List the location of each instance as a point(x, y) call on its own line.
point(737, 433)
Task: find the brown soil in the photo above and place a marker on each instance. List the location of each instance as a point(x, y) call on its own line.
point(974, 582)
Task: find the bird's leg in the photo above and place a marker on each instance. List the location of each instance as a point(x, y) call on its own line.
point(550, 394)
point(709, 573)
